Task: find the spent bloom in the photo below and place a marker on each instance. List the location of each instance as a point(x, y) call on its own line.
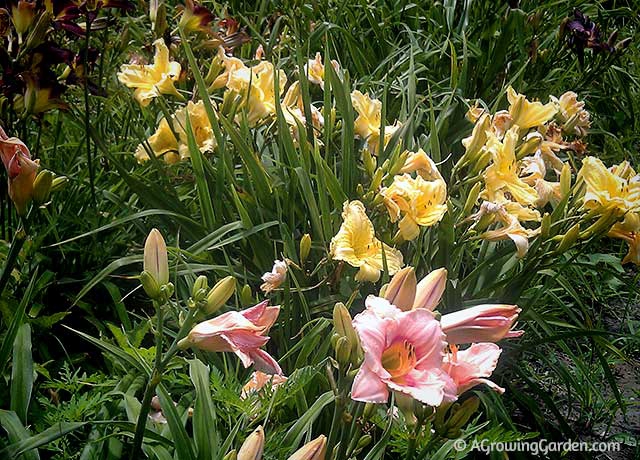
point(421, 203)
point(356, 244)
point(259, 380)
point(274, 278)
point(152, 80)
point(403, 351)
point(242, 333)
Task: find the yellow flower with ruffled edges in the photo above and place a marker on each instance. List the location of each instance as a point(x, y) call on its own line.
point(527, 114)
point(608, 191)
point(369, 121)
point(356, 244)
point(629, 230)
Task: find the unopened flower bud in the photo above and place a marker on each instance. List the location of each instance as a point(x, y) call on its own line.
point(461, 414)
point(430, 289)
point(568, 239)
point(231, 455)
point(369, 161)
point(246, 296)
point(363, 442)
point(545, 226)
point(343, 351)
point(59, 183)
point(401, 290)
point(155, 260)
point(219, 294)
point(314, 450)
point(253, 446)
point(42, 186)
point(376, 181)
point(343, 324)
point(565, 180)
point(150, 285)
point(199, 289)
point(305, 247)
point(472, 198)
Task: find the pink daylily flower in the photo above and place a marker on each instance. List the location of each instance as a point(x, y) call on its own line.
point(482, 323)
point(403, 351)
point(242, 333)
point(471, 367)
point(21, 170)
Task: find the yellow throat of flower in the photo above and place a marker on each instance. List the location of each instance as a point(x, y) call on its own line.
point(399, 358)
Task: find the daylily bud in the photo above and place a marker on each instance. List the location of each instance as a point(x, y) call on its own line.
point(150, 285)
point(401, 291)
point(369, 161)
point(369, 409)
point(199, 290)
point(153, 11)
point(460, 414)
point(530, 145)
point(160, 25)
point(305, 247)
point(22, 15)
point(342, 323)
point(343, 351)
point(314, 450)
point(430, 289)
point(59, 183)
point(399, 163)
point(42, 186)
point(231, 455)
point(545, 226)
point(246, 296)
point(565, 180)
point(219, 294)
point(253, 446)
point(376, 181)
point(568, 239)
point(156, 261)
point(363, 442)
point(482, 323)
point(472, 198)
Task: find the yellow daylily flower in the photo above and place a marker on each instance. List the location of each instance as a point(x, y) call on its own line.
point(164, 143)
point(227, 64)
point(629, 230)
point(356, 244)
point(422, 203)
point(421, 163)
point(152, 80)
point(606, 191)
point(510, 227)
point(257, 86)
point(369, 120)
point(527, 114)
point(572, 114)
point(502, 174)
point(314, 69)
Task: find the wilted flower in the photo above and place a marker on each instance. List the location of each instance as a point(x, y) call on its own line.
point(471, 367)
point(403, 351)
point(572, 114)
point(422, 203)
point(274, 278)
point(629, 231)
point(528, 114)
point(356, 244)
point(259, 380)
point(482, 323)
point(242, 333)
point(369, 122)
point(150, 81)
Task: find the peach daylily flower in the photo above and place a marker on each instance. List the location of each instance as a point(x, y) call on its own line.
point(259, 380)
point(150, 81)
point(21, 170)
point(482, 323)
point(274, 278)
point(242, 333)
point(403, 352)
point(471, 367)
point(356, 244)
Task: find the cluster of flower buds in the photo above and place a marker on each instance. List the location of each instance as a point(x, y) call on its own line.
point(211, 300)
point(345, 339)
point(451, 418)
point(253, 448)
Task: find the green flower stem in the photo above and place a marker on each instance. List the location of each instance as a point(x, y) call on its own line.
point(18, 241)
point(413, 441)
point(156, 377)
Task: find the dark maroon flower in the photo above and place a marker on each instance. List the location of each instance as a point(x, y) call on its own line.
point(582, 33)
